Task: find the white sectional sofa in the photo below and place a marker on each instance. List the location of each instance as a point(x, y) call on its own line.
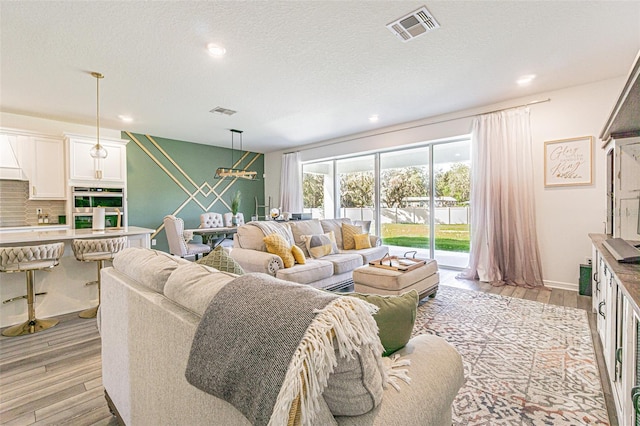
point(329, 272)
point(151, 307)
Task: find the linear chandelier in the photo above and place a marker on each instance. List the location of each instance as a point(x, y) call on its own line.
point(231, 172)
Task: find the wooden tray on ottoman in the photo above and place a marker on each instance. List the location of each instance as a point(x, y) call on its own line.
point(395, 263)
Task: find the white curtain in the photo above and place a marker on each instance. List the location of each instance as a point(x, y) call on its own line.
point(291, 183)
point(504, 246)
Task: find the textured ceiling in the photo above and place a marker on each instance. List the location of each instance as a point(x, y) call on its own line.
point(296, 72)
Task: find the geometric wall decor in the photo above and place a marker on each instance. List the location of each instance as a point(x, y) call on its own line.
point(177, 177)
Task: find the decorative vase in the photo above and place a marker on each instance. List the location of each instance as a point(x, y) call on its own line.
point(234, 220)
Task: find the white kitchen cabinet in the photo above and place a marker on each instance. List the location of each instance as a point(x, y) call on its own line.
point(47, 176)
point(85, 170)
point(37, 158)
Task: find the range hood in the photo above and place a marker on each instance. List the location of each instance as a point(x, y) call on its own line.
point(9, 166)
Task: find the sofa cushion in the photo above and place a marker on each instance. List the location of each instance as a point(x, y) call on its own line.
point(304, 227)
point(373, 253)
point(320, 245)
point(395, 317)
point(362, 241)
point(250, 237)
point(335, 225)
point(348, 231)
point(298, 254)
point(150, 268)
point(344, 262)
point(312, 270)
point(194, 286)
point(366, 225)
point(276, 244)
point(220, 259)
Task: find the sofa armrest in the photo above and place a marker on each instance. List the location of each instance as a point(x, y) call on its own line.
point(436, 374)
point(257, 261)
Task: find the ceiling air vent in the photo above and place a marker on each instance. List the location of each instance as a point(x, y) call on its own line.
point(223, 111)
point(413, 25)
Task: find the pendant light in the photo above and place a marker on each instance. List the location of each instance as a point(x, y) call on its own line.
point(223, 172)
point(97, 151)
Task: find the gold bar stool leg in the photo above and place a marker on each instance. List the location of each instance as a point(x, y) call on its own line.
point(93, 312)
point(33, 325)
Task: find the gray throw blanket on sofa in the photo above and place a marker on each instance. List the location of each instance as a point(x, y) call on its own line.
point(245, 341)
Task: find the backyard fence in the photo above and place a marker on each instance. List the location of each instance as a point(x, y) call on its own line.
point(443, 215)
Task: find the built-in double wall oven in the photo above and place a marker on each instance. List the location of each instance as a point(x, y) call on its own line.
point(86, 199)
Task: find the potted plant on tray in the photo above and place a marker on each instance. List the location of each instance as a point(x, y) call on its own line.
point(235, 205)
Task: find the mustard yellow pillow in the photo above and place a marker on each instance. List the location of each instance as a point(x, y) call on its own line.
point(362, 241)
point(298, 254)
point(276, 244)
point(348, 231)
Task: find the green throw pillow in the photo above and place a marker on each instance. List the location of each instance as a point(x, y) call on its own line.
point(220, 260)
point(395, 318)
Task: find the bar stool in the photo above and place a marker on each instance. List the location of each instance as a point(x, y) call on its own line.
point(97, 251)
point(29, 259)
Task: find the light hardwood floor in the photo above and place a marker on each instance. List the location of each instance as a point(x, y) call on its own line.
point(54, 377)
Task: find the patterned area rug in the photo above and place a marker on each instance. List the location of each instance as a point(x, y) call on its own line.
point(526, 363)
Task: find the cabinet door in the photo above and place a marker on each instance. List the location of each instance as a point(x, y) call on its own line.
point(87, 169)
point(47, 174)
point(602, 300)
point(595, 283)
point(629, 370)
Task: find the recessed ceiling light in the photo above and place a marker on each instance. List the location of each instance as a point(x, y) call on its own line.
point(374, 118)
point(525, 79)
point(215, 50)
point(126, 118)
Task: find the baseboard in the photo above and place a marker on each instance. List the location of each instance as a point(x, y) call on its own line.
point(561, 285)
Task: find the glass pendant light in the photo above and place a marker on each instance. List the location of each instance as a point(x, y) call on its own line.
point(98, 151)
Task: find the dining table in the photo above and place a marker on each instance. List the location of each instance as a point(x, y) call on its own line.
point(214, 236)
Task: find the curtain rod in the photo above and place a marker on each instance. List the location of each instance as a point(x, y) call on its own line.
point(432, 123)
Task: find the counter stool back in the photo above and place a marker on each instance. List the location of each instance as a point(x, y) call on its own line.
point(29, 259)
point(97, 250)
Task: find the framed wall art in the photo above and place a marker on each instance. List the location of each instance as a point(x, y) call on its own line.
point(568, 162)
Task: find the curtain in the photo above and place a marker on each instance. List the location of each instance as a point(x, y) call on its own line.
point(291, 183)
point(504, 246)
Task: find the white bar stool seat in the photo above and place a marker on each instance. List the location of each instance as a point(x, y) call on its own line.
point(97, 250)
point(29, 259)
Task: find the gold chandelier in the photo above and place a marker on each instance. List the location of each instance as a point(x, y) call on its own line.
point(231, 172)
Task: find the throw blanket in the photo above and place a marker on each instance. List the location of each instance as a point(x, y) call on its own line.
point(267, 346)
point(269, 227)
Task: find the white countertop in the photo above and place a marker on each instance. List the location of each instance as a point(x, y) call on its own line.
point(36, 236)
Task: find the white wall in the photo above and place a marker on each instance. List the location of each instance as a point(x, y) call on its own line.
point(564, 215)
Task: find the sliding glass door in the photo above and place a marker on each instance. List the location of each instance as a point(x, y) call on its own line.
point(416, 198)
point(451, 216)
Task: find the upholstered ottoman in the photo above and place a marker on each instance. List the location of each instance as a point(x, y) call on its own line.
point(425, 280)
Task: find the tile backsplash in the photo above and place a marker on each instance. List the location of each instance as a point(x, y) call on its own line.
point(17, 210)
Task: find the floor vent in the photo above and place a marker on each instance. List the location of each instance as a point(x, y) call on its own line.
point(223, 111)
point(413, 25)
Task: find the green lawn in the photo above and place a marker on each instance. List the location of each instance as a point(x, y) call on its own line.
point(448, 237)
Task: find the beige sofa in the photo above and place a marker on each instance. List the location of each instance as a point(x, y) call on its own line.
point(329, 272)
point(151, 307)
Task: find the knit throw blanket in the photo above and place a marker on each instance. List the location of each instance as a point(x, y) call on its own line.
point(268, 347)
point(269, 227)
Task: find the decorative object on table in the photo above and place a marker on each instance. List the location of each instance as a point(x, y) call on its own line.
point(29, 259)
point(232, 172)
point(98, 152)
point(395, 263)
point(568, 162)
point(98, 219)
point(274, 213)
point(235, 205)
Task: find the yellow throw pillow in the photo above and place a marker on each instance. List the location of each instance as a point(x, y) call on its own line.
point(348, 231)
point(276, 244)
point(298, 254)
point(362, 241)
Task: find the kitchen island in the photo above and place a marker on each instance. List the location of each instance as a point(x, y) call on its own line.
point(64, 284)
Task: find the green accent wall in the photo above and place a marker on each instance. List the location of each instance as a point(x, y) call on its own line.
point(152, 193)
